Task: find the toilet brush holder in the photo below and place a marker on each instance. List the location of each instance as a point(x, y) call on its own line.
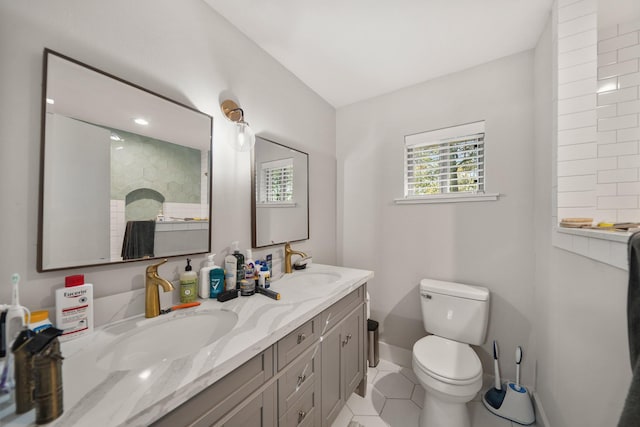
point(516, 405)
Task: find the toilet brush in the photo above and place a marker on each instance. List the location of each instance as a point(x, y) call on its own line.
point(515, 404)
point(494, 396)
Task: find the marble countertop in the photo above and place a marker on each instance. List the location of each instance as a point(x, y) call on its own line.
point(94, 395)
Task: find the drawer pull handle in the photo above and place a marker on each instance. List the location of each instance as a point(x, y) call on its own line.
point(301, 337)
point(301, 379)
point(346, 341)
point(301, 415)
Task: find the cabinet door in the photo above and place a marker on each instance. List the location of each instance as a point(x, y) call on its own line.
point(223, 396)
point(352, 351)
point(257, 412)
point(331, 374)
point(342, 364)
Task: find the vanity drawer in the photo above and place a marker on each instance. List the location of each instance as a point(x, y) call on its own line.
point(298, 377)
point(297, 341)
point(338, 311)
point(224, 395)
point(305, 412)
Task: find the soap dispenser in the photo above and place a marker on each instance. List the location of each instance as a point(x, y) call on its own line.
point(188, 284)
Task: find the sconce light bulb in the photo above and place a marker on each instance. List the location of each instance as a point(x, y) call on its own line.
point(245, 138)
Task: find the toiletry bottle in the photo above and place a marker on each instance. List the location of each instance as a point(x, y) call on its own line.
point(74, 307)
point(230, 272)
point(216, 281)
point(249, 266)
point(203, 282)
point(188, 284)
point(247, 287)
point(269, 260)
point(263, 277)
point(239, 263)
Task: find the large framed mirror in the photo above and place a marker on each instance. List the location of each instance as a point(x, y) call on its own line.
point(125, 172)
point(280, 194)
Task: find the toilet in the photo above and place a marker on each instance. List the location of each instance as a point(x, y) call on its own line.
point(447, 367)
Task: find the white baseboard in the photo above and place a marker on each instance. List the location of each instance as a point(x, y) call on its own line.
point(398, 355)
point(541, 416)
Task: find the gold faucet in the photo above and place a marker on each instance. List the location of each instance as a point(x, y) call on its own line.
point(151, 291)
point(287, 257)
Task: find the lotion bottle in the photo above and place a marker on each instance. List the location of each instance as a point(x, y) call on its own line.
point(203, 283)
point(74, 307)
point(188, 284)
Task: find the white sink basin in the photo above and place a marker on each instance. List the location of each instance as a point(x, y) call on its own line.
point(318, 278)
point(159, 340)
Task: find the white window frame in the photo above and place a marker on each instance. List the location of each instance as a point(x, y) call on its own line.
point(445, 138)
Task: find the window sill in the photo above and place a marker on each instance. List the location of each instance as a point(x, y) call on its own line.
point(447, 198)
point(608, 247)
point(277, 205)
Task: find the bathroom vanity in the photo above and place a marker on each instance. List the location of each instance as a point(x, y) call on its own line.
point(289, 362)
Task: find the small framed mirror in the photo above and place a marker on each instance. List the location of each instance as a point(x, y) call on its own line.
point(125, 173)
point(280, 194)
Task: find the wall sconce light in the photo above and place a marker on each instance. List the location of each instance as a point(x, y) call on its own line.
point(244, 139)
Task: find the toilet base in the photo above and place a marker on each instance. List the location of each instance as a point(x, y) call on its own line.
point(439, 413)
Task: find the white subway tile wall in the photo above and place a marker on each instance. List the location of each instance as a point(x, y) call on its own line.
point(598, 115)
point(619, 124)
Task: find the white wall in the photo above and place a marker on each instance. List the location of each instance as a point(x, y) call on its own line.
point(188, 53)
point(583, 368)
point(482, 243)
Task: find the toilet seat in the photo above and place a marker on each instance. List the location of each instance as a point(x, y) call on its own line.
point(448, 361)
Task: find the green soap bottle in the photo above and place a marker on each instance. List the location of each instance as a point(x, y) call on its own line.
point(188, 284)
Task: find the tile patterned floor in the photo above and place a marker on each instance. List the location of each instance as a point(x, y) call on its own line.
point(394, 399)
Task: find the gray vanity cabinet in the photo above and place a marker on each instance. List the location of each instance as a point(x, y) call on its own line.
point(303, 380)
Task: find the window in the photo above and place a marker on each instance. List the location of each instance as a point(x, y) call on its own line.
point(276, 183)
point(445, 161)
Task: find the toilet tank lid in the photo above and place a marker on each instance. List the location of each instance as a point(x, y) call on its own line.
point(459, 290)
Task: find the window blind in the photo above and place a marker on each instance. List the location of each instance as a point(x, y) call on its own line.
point(276, 184)
point(446, 166)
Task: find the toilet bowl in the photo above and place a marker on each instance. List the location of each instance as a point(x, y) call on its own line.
point(447, 367)
point(451, 375)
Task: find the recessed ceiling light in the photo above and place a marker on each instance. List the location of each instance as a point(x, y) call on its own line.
point(50, 101)
point(141, 121)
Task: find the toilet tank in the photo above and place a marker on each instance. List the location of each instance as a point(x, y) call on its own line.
point(455, 311)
